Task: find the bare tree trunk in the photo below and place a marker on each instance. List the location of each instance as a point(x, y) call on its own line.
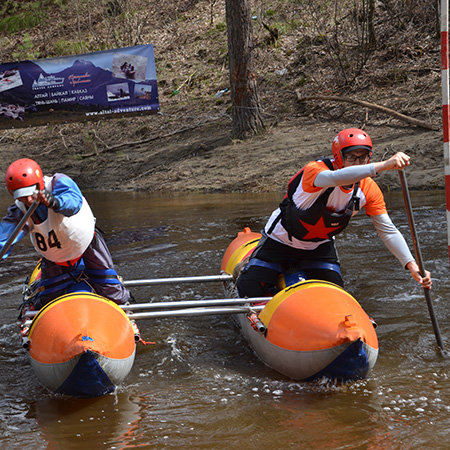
point(43, 25)
point(246, 114)
point(371, 24)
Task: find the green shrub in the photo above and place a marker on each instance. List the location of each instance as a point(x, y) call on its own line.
point(18, 22)
point(25, 50)
point(63, 47)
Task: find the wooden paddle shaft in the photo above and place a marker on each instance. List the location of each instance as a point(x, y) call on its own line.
point(419, 259)
point(19, 227)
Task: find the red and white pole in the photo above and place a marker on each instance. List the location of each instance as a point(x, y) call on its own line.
point(445, 107)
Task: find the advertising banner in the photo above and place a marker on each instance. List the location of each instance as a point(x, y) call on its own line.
point(110, 83)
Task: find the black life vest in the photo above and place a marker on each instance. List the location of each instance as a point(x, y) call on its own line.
point(300, 223)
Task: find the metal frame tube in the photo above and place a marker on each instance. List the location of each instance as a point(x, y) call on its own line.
point(227, 303)
point(196, 312)
point(178, 280)
point(196, 303)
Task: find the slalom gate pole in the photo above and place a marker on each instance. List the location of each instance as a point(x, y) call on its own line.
point(445, 107)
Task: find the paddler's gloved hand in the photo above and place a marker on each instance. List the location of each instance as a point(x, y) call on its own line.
point(47, 199)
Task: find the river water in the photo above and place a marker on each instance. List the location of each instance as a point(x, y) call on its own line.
point(200, 386)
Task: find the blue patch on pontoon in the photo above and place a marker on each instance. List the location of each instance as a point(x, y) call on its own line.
point(352, 364)
point(87, 379)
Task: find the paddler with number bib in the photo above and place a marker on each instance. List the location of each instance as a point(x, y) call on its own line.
point(320, 200)
point(63, 232)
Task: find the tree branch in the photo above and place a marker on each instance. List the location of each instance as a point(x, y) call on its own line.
point(143, 141)
point(397, 115)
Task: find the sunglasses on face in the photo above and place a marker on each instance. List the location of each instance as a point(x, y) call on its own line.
point(352, 158)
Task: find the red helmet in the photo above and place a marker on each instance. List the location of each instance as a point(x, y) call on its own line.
point(350, 139)
point(23, 177)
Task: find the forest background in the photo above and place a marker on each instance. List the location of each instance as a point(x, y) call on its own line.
point(315, 62)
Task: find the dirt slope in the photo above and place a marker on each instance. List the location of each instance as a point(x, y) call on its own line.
point(187, 147)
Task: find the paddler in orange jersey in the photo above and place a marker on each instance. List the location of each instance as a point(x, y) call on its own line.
point(62, 230)
point(320, 200)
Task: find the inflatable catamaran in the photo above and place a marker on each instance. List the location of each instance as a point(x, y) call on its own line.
point(84, 345)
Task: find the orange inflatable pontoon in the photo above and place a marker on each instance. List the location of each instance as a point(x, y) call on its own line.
point(308, 330)
point(80, 344)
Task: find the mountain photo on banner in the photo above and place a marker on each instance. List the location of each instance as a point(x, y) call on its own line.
point(103, 84)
